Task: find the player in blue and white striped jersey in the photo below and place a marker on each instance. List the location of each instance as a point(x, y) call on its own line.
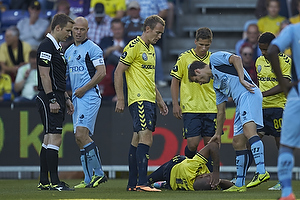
point(290, 137)
point(232, 80)
point(86, 69)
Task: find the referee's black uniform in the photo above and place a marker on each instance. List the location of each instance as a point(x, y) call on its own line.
point(49, 54)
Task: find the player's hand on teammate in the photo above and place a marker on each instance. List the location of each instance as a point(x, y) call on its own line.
point(248, 86)
point(120, 105)
point(216, 138)
point(177, 112)
point(163, 108)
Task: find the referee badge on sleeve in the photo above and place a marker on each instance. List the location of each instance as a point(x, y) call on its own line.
point(45, 56)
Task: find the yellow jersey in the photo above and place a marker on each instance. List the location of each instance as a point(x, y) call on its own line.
point(4, 54)
point(183, 174)
point(194, 98)
point(111, 6)
point(5, 84)
point(267, 79)
point(268, 24)
point(140, 75)
point(295, 19)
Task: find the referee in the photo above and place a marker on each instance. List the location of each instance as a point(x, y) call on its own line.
point(52, 99)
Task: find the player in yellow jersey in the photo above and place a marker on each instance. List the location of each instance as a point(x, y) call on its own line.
point(273, 97)
point(184, 173)
point(138, 63)
point(197, 102)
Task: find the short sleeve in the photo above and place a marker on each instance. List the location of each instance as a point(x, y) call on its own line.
point(45, 54)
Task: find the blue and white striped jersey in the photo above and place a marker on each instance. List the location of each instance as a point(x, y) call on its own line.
point(81, 63)
point(226, 80)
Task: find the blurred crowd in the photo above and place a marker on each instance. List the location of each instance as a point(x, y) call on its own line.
point(112, 24)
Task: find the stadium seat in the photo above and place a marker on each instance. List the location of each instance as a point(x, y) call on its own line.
point(2, 38)
point(11, 17)
point(47, 14)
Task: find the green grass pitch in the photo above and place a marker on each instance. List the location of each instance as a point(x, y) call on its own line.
point(114, 189)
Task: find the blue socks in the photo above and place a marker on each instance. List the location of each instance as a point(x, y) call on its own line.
point(257, 148)
point(93, 159)
point(142, 158)
point(133, 171)
point(285, 166)
point(87, 174)
point(241, 159)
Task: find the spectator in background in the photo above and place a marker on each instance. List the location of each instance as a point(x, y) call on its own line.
point(162, 8)
point(252, 35)
point(5, 86)
point(246, 53)
point(19, 4)
point(133, 27)
point(284, 24)
point(133, 22)
point(26, 81)
point(80, 8)
point(13, 52)
point(63, 6)
point(261, 8)
point(170, 18)
point(113, 8)
point(99, 24)
point(296, 18)
point(33, 27)
point(112, 47)
point(271, 22)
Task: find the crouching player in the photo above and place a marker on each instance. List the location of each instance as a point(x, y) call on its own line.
point(184, 173)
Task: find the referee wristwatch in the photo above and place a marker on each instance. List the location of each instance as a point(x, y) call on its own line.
point(53, 100)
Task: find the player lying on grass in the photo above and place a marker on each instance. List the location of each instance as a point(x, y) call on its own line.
point(191, 174)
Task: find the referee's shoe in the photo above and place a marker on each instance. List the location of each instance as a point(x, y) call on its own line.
point(62, 186)
point(258, 179)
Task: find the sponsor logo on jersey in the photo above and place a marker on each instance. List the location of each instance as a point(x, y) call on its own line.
point(273, 79)
point(45, 56)
point(76, 68)
point(148, 66)
point(144, 56)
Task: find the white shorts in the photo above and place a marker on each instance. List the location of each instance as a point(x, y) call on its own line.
point(86, 111)
point(249, 108)
point(290, 130)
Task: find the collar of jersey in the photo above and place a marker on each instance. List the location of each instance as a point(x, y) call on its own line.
point(57, 46)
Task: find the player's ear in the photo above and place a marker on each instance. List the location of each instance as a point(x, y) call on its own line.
point(57, 28)
point(197, 71)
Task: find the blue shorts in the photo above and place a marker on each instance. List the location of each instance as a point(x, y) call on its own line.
point(272, 121)
point(199, 124)
point(248, 108)
point(290, 121)
point(143, 115)
point(86, 111)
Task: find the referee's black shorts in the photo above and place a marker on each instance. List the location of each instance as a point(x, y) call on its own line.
point(53, 122)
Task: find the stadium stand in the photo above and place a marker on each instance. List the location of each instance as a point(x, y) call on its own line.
point(11, 17)
point(226, 18)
